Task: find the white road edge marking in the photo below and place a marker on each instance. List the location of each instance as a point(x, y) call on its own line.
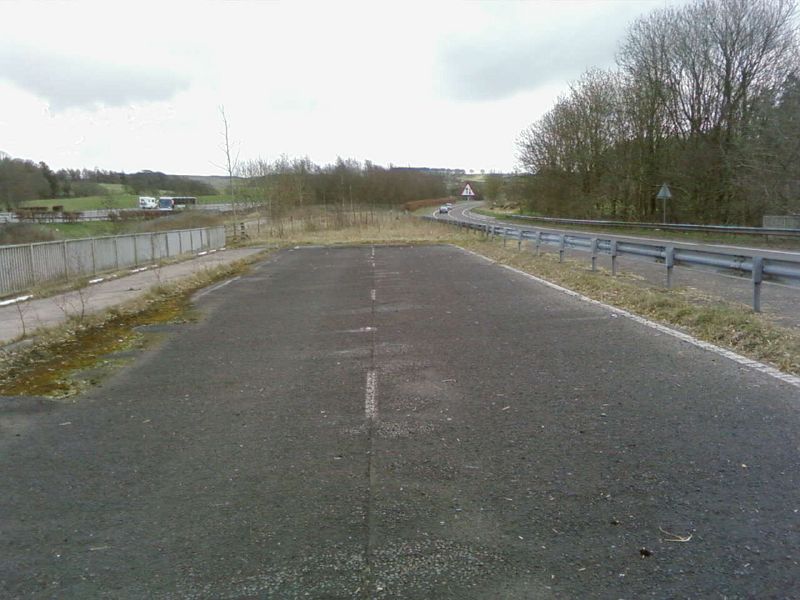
point(738, 358)
point(371, 401)
point(216, 287)
point(15, 300)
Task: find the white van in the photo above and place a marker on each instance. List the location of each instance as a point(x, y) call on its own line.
point(147, 202)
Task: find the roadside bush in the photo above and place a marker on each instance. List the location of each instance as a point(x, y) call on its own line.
point(23, 233)
point(417, 204)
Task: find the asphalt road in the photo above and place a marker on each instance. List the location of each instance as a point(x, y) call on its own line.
point(407, 422)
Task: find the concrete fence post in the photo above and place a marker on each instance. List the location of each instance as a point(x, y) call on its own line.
point(94, 256)
point(66, 261)
point(32, 266)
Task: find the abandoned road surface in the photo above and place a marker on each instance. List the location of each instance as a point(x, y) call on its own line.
point(405, 422)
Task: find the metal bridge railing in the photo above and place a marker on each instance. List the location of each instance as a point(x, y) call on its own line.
point(757, 267)
point(25, 266)
point(731, 229)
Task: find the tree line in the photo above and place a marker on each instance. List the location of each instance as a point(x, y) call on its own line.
point(22, 180)
point(286, 184)
point(282, 184)
point(704, 97)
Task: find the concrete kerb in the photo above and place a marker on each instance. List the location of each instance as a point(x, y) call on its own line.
point(19, 320)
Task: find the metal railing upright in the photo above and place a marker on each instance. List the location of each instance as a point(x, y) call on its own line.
point(756, 266)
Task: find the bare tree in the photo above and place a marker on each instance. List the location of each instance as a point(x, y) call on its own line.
point(691, 104)
point(231, 166)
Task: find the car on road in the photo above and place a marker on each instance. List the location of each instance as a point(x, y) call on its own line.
point(147, 202)
point(444, 209)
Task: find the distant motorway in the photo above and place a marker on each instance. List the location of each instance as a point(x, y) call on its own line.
point(102, 214)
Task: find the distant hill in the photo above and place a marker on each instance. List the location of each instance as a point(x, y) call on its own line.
point(218, 182)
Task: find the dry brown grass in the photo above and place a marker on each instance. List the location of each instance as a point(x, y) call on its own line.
point(362, 227)
point(64, 360)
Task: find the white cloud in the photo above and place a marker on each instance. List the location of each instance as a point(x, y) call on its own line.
point(511, 48)
point(138, 85)
point(69, 81)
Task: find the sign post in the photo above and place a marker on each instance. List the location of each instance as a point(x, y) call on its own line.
point(664, 194)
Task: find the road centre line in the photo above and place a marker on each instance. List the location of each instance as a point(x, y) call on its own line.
point(738, 358)
point(371, 396)
point(372, 295)
point(359, 330)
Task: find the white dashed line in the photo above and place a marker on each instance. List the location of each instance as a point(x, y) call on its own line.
point(359, 330)
point(371, 396)
point(372, 294)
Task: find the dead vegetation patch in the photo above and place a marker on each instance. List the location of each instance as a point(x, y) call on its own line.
point(53, 365)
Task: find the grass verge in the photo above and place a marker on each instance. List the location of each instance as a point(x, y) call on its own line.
point(67, 359)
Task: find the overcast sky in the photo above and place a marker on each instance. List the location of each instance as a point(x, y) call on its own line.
point(138, 85)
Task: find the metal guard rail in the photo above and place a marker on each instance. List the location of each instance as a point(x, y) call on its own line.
point(732, 229)
point(759, 268)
